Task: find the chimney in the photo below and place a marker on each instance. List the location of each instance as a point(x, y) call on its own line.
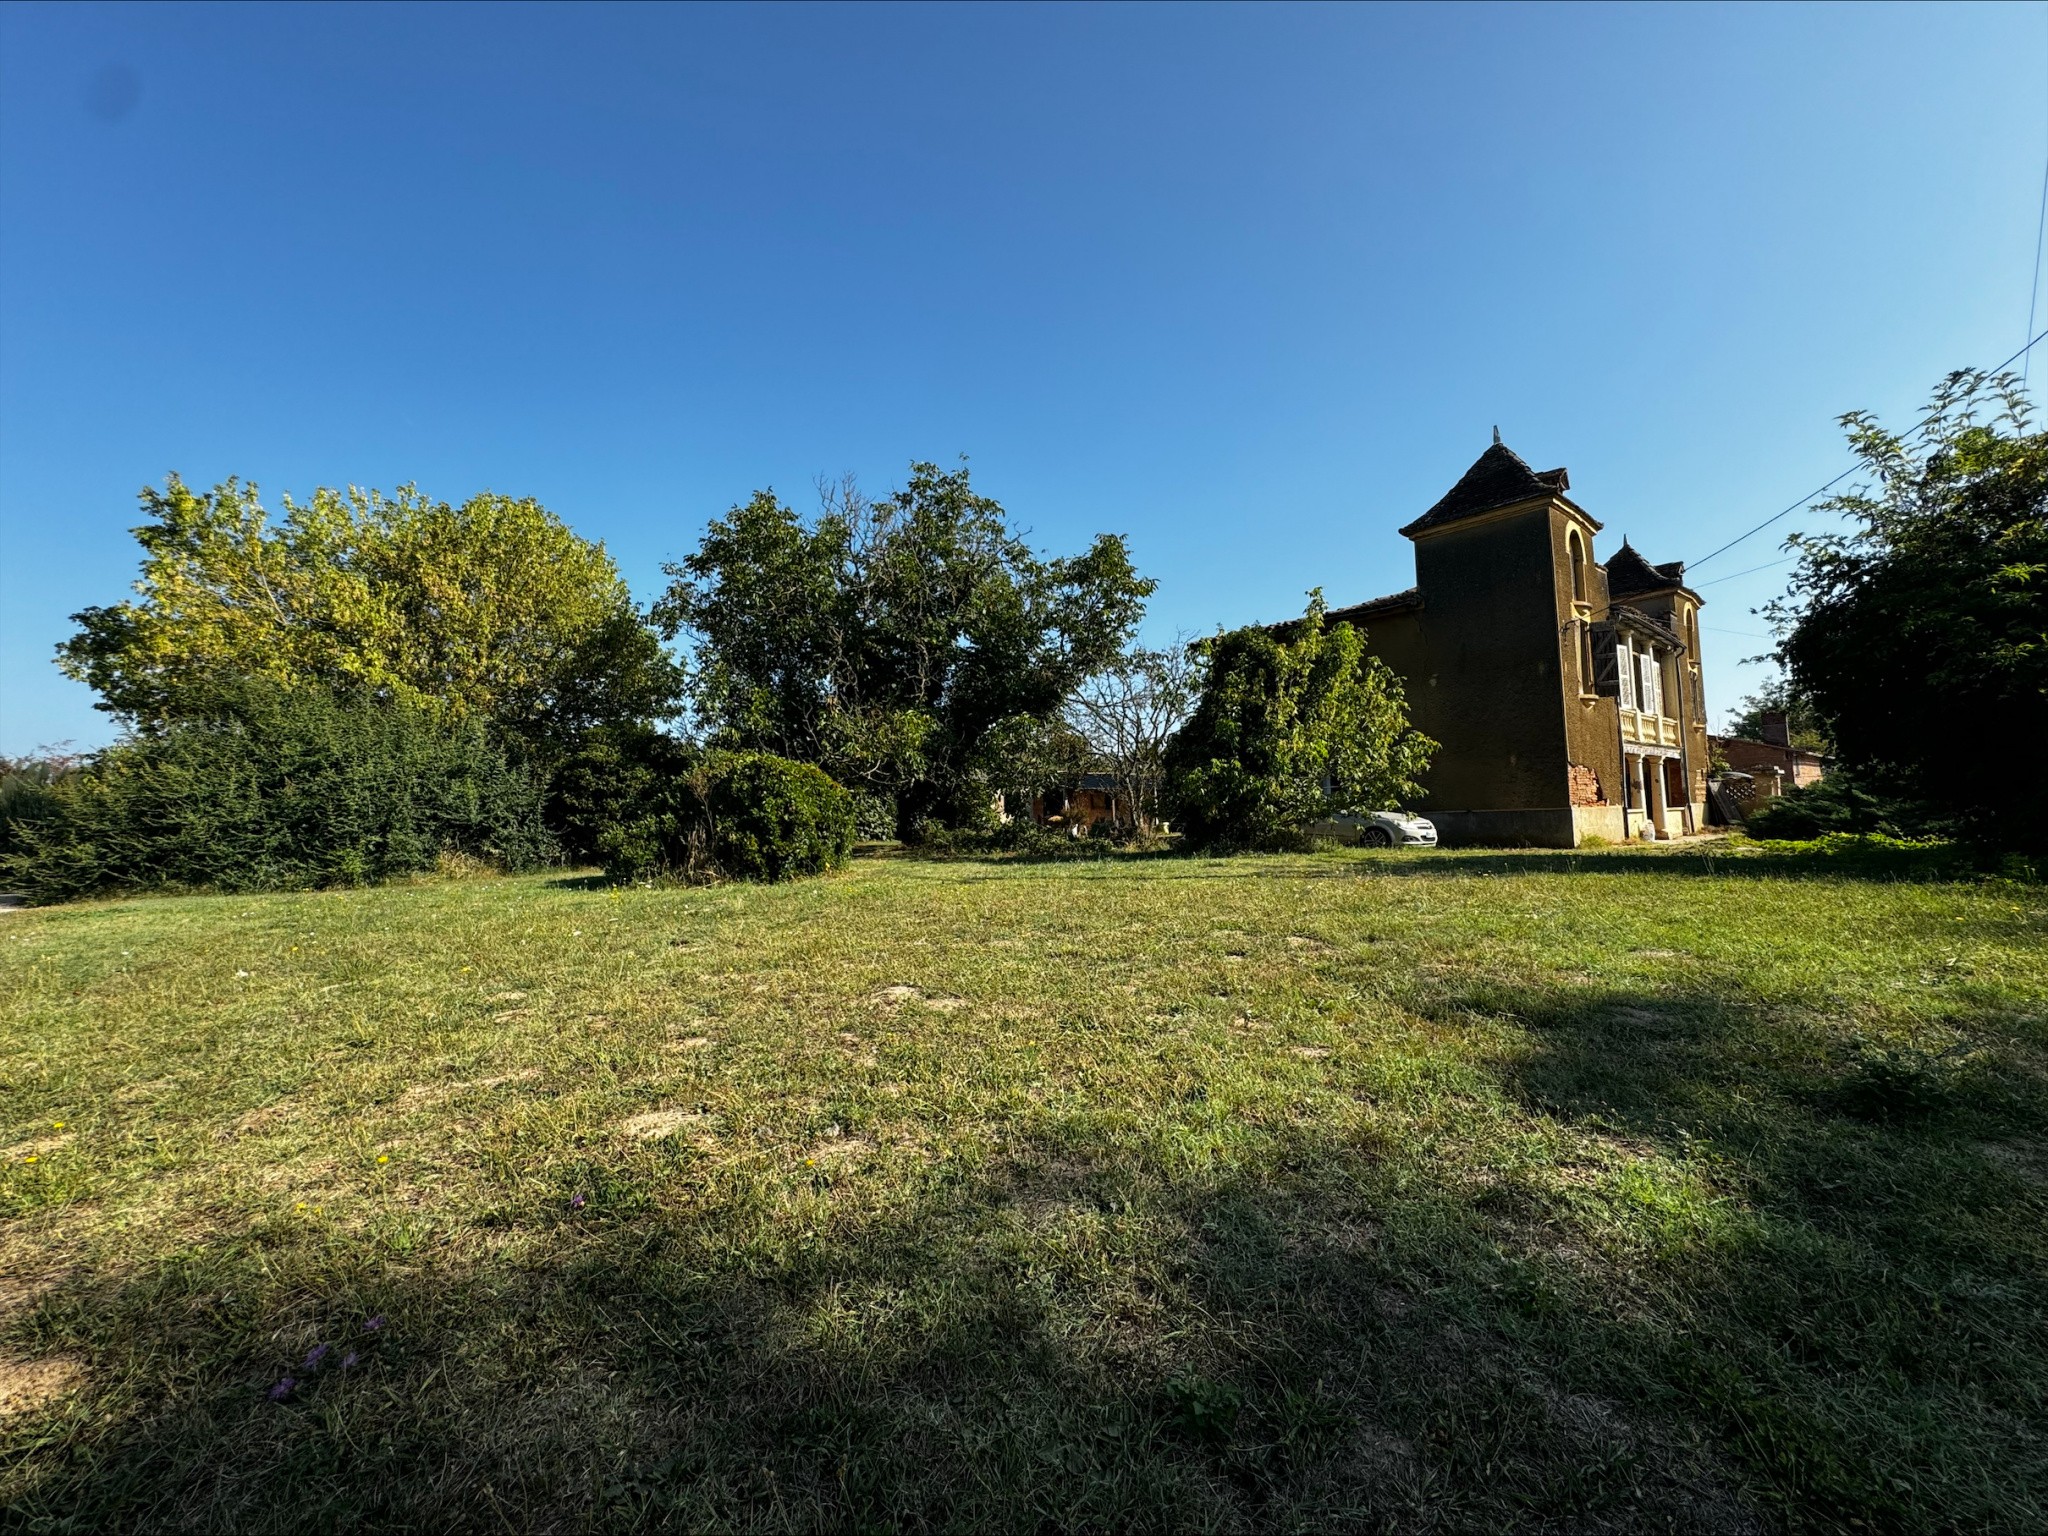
point(1776, 732)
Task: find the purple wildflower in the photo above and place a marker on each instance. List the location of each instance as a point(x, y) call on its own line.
point(578, 1202)
point(282, 1390)
point(349, 1359)
point(313, 1357)
point(374, 1323)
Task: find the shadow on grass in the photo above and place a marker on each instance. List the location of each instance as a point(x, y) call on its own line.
point(1771, 1305)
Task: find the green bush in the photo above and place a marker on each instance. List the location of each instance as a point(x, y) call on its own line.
point(774, 819)
point(646, 806)
point(874, 817)
point(277, 789)
point(1293, 725)
point(625, 799)
point(1837, 803)
point(28, 793)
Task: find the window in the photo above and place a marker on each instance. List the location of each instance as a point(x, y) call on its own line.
point(1626, 657)
point(1650, 685)
point(1575, 547)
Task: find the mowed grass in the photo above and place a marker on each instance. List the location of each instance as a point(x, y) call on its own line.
point(1435, 1192)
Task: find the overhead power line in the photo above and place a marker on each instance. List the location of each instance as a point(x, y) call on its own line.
point(2034, 292)
point(1767, 565)
point(1845, 474)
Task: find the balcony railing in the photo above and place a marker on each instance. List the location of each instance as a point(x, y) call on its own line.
point(1649, 730)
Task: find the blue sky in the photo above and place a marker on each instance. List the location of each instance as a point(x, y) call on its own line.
point(1249, 285)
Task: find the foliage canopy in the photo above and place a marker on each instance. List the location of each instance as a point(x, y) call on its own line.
point(494, 610)
point(1289, 730)
point(1921, 634)
point(900, 643)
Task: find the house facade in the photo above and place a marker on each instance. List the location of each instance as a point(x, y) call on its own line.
point(1565, 692)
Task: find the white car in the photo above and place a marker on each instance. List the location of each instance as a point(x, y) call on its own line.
point(1377, 829)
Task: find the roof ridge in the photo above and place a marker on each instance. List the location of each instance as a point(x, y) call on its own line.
point(1499, 477)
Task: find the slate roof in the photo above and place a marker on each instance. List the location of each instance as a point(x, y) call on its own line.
point(1497, 478)
point(1358, 613)
point(1377, 608)
point(1629, 574)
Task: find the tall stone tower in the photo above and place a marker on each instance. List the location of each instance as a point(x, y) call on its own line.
point(1566, 696)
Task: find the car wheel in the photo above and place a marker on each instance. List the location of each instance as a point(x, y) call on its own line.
point(1376, 837)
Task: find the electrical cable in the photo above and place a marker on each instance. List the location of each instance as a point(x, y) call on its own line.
point(1767, 565)
point(1845, 474)
point(2034, 293)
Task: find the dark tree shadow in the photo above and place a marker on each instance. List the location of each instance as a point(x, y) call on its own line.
point(1781, 1303)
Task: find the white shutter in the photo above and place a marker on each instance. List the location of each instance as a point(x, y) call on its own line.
point(1627, 656)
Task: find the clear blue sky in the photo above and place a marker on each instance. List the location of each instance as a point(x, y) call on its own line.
point(1249, 285)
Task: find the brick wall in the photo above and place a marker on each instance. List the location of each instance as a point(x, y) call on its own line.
point(1586, 786)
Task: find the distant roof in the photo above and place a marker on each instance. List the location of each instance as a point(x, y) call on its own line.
point(1497, 478)
point(1358, 613)
point(1628, 573)
point(1771, 746)
point(1378, 607)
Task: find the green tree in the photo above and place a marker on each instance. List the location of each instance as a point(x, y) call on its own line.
point(1921, 634)
point(1290, 730)
point(895, 642)
point(1803, 723)
point(493, 610)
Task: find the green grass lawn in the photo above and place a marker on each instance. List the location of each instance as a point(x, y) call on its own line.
point(1438, 1192)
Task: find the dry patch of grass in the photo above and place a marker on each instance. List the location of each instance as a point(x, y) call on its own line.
point(37, 1386)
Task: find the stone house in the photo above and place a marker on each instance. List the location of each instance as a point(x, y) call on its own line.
point(1566, 693)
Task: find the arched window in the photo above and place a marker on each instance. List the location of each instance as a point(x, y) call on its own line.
point(1575, 547)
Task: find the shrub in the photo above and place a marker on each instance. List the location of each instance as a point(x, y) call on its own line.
point(874, 816)
point(28, 792)
point(1837, 803)
point(277, 789)
point(648, 806)
point(624, 799)
point(774, 819)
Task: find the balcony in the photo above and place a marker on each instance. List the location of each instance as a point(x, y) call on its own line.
point(1649, 730)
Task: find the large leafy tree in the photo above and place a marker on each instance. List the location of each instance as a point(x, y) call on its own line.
point(1921, 633)
point(493, 610)
point(1291, 728)
point(901, 642)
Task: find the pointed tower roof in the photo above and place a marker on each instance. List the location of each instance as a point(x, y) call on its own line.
point(1497, 478)
point(1630, 575)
